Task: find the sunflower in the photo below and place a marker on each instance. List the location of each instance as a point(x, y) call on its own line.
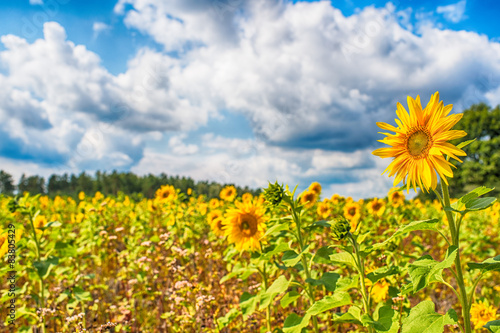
point(352, 212)
point(420, 143)
point(166, 193)
point(228, 193)
point(376, 207)
point(39, 222)
point(246, 197)
point(213, 203)
point(308, 198)
point(379, 291)
point(324, 209)
point(245, 225)
point(215, 220)
point(396, 198)
point(315, 187)
point(481, 313)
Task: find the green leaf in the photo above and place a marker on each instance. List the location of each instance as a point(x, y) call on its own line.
point(274, 249)
point(342, 258)
point(227, 319)
point(423, 319)
point(279, 286)
point(329, 302)
point(491, 264)
point(329, 280)
point(277, 227)
point(322, 223)
point(289, 297)
point(294, 323)
point(248, 303)
point(479, 204)
point(387, 320)
point(290, 258)
point(43, 267)
point(471, 202)
point(322, 256)
point(382, 272)
point(353, 315)
point(465, 143)
point(81, 295)
point(426, 270)
point(493, 326)
point(53, 224)
point(412, 226)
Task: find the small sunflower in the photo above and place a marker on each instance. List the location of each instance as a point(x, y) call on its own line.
point(481, 313)
point(228, 193)
point(213, 203)
point(166, 193)
point(396, 198)
point(379, 291)
point(324, 210)
point(215, 220)
point(245, 225)
point(246, 197)
point(315, 187)
point(352, 212)
point(376, 207)
point(39, 222)
point(308, 198)
point(420, 143)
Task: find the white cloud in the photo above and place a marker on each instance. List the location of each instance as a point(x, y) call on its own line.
point(453, 13)
point(99, 27)
point(311, 82)
point(36, 2)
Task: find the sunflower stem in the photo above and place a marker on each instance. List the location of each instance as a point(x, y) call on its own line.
point(361, 270)
point(456, 241)
point(310, 290)
point(42, 296)
point(266, 285)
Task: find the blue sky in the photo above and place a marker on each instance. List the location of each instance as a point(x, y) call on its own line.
point(235, 91)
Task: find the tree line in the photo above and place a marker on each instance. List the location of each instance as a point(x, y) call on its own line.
point(109, 184)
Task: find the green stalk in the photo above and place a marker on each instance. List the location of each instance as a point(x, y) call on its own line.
point(42, 296)
point(304, 263)
point(268, 309)
point(361, 270)
point(455, 235)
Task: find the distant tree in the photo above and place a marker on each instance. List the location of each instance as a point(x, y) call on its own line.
point(6, 183)
point(32, 184)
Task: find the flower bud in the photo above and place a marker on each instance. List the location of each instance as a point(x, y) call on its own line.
point(340, 228)
point(274, 193)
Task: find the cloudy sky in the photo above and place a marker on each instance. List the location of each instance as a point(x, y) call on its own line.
point(236, 91)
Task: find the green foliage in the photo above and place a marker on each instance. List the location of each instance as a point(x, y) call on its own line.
point(423, 319)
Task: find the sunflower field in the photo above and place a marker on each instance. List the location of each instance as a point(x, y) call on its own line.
point(283, 261)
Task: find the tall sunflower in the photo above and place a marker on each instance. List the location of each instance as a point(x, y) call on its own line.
point(245, 225)
point(420, 143)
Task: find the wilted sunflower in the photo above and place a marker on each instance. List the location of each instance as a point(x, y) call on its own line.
point(420, 143)
point(481, 313)
point(244, 225)
point(166, 193)
point(215, 220)
point(228, 193)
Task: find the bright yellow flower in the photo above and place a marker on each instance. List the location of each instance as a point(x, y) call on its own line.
point(376, 207)
point(396, 198)
point(44, 202)
point(213, 203)
point(202, 208)
point(324, 210)
point(39, 222)
point(216, 220)
point(247, 197)
point(481, 313)
point(166, 193)
point(245, 225)
point(379, 291)
point(189, 191)
point(308, 198)
point(315, 187)
point(228, 193)
point(81, 196)
point(420, 143)
point(352, 211)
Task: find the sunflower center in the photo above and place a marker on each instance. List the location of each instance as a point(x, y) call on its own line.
point(352, 211)
point(376, 206)
point(419, 142)
point(248, 225)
